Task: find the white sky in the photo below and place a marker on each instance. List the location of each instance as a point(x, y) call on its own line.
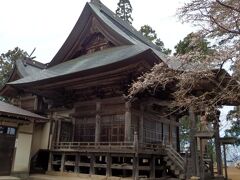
point(45, 24)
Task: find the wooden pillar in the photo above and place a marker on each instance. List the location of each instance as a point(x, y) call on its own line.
point(50, 142)
point(51, 136)
point(218, 145)
point(202, 174)
point(162, 133)
point(109, 165)
point(135, 172)
point(73, 128)
point(127, 136)
point(193, 143)
point(178, 139)
point(135, 141)
point(58, 130)
point(50, 161)
point(76, 168)
point(170, 134)
point(141, 124)
point(152, 167)
point(92, 162)
point(98, 122)
point(62, 162)
point(225, 161)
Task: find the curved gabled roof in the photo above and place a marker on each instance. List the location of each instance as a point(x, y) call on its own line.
point(113, 28)
point(128, 43)
point(22, 68)
point(27, 67)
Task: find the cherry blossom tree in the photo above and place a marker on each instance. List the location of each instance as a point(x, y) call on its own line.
point(200, 81)
point(219, 23)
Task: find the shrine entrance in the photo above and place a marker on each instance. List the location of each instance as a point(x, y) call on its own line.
point(7, 143)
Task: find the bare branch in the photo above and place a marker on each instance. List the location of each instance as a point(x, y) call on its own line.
point(228, 6)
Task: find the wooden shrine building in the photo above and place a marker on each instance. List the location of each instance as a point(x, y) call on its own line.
point(92, 128)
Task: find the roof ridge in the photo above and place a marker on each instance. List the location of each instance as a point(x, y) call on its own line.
point(127, 26)
point(28, 61)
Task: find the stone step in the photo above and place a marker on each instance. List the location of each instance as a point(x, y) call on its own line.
point(169, 163)
point(166, 158)
point(181, 176)
point(173, 167)
point(177, 172)
point(8, 178)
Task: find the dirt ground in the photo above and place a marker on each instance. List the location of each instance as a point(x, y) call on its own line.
point(233, 173)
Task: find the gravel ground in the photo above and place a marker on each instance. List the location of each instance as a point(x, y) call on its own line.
point(233, 173)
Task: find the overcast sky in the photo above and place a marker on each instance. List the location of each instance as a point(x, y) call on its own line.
point(45, 24)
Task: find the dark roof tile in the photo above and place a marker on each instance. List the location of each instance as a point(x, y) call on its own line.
point(86, 62)
point(16, 112)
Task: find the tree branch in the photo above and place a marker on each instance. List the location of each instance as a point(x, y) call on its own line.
point(222, 27)
point(228, 6)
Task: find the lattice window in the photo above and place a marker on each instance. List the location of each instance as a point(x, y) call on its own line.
point(152, 131)
point(94, 42)
point(66, 132)
point(112, 128)
point(174, 137)
point(85, 129)
point(165, 133)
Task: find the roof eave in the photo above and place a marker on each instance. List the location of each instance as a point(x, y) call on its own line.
point(84, 73)
point(17, 117)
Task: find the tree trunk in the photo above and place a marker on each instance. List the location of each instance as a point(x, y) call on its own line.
point(218, 145)
point(193, 143)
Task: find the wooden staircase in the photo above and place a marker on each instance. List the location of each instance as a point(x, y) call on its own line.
point(175, 162)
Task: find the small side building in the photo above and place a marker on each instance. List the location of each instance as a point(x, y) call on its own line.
point(16, 136)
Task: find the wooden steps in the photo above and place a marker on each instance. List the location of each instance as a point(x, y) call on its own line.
point(175, 162)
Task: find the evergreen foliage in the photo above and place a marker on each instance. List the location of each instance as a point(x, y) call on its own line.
point(7, 61)
point(151, 35)
point(188, 45)
point(184, 129)
point(124, 10)
point(234, 129)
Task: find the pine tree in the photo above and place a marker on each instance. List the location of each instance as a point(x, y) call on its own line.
point(124, 10)
point(7, 61)
point(151, 35)
point(192, 43)
point(148, 32)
